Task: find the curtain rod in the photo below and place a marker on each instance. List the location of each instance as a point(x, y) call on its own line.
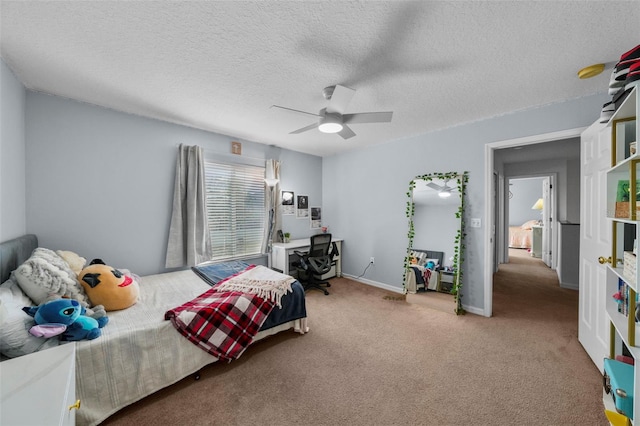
point(234, 157)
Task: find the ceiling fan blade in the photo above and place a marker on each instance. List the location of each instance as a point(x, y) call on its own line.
point(434, 186)
point(340, 99)
point(295, 110)
point(304, 129)
point(368, 117)
point(346, 132)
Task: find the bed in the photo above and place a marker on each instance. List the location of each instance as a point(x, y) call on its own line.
point(521, 236)
point(139, 352)
point(424, 270)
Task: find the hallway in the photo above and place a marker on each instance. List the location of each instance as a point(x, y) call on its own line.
point(526, 288)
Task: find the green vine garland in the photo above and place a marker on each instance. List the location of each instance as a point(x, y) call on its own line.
point(458, 250)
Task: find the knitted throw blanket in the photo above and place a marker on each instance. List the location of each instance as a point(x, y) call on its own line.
point(261, 281)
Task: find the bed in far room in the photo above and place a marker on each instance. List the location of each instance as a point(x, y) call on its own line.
point(521, 236)
point(423, 273)
point(139, 351)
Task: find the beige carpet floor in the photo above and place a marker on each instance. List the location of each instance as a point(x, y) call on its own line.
point(371, 359)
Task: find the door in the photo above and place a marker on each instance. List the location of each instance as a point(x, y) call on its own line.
point(595, 241)
point(547, 220)
point(496, 220)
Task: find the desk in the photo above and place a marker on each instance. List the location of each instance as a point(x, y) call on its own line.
point(283, 257)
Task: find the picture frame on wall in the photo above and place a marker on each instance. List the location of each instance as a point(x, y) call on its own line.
point(316, 217)
point(302, 210)
point(288, 207)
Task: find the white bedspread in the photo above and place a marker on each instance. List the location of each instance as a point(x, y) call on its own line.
point(139, 351)
point(411, 284)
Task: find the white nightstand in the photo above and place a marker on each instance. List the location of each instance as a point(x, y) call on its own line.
point(446, 281)
point(536, 241)
point(40, 388)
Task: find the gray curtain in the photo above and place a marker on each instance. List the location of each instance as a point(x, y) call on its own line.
point(271, 203)
point(189, 240)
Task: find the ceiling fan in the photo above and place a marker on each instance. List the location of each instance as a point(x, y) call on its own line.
point(444, 191)
point(332, 119)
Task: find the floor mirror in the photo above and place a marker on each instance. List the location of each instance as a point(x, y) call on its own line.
point(435, 252)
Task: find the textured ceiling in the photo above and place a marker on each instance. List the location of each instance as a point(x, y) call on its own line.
point(219, 66)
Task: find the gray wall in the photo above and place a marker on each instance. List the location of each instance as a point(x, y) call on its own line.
point(364, 191)
point(525, 194)
point(12, 156)
point(560, 157)
point(100, 182)
point(301, 174)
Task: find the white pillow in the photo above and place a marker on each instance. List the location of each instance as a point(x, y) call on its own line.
point(420, 257)
point(44, 274)
point(15, 339)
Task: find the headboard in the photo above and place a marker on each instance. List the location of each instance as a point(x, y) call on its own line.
point(433, 255)
point(14, 252)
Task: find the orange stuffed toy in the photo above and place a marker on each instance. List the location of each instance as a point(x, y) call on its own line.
point(109, 287)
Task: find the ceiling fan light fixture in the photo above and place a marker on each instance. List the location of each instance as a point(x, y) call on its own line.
point(330, 127)
point(444, 194)
point(330, 123)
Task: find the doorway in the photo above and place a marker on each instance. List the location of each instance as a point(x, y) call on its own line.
point(502, 156)
point(529, 217)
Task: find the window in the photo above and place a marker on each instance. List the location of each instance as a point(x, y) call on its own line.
point(235, 209)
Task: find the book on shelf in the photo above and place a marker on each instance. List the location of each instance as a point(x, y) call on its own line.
point(622, 297)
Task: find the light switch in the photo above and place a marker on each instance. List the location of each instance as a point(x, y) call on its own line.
point(475, 222)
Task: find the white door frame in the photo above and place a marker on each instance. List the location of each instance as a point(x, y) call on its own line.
point(550, 222)
point(489, 207)
point(550, 231)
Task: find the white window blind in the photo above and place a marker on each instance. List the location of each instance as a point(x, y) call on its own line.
point(235, 209)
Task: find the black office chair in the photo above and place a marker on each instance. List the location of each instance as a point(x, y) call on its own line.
point(317, 262)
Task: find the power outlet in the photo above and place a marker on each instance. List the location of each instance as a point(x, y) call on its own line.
point(372, 260)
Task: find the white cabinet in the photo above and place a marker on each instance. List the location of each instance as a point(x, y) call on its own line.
point(623, 196)
point(445, 284)
point(39, 389)
point(536, 241)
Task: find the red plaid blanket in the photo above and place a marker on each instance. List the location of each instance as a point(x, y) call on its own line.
point(221, 323)
point(426, 274)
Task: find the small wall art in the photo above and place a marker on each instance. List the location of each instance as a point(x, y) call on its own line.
point(302, 210)
point(316, 217)
point(288, 207)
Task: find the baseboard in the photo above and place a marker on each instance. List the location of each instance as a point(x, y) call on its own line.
point(570, 286)
point(473, 310)
point(375, 283)
point(470, 309)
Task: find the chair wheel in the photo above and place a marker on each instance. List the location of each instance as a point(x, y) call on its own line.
point(326, 293)
point(328, 285)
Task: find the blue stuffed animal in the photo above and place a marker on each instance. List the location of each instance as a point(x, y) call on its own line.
point(65, 317)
